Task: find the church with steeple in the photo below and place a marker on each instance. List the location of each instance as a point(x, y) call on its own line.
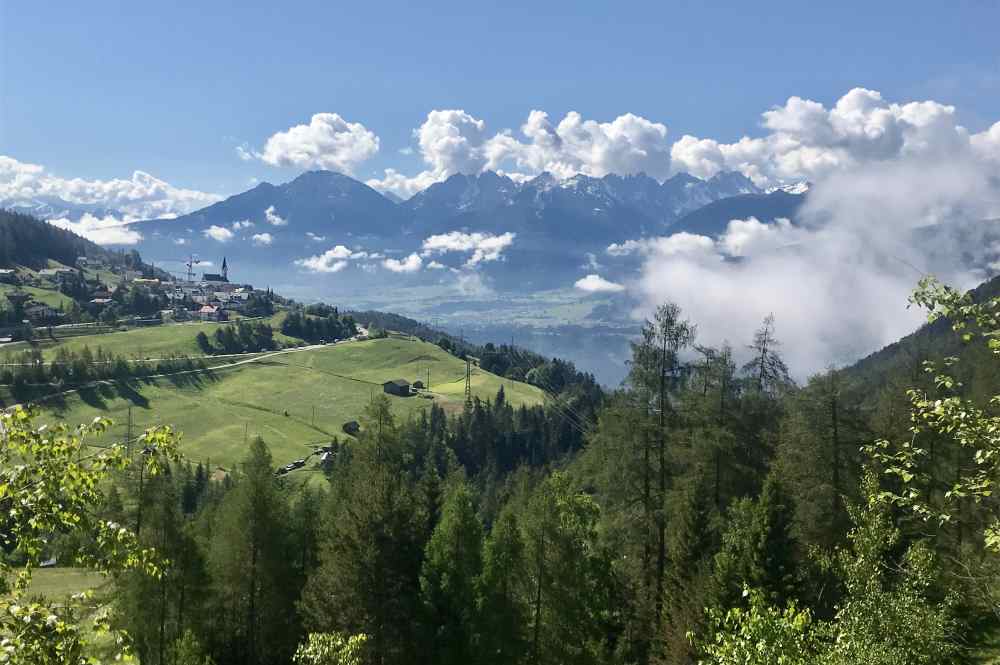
point(219, 278)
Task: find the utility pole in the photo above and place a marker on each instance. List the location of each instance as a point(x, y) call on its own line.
point(428, 378)
point(128, 434)
point(468, 383)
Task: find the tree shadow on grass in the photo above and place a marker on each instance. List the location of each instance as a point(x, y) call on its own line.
point(93, 396)
point(196, 380)
point(130, 390)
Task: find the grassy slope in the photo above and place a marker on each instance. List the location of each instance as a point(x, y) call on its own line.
point(57, 583)
point(46, 296)
point(337, 381)
point(152, 342)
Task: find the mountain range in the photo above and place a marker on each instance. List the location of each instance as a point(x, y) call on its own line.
point(555, 223)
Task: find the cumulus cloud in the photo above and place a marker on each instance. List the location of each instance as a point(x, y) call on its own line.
point(677, 243)
point(327, 142)
point(452, 141)
point(804, 140)
point(101, 230)
point(262, 239)
point(484, 247)
point(594, 283)
point(628, 144)
point(411, 263)
point(273, 218)
point(142, 196)
point(219, 233)
point(436, 265)
point(334, 259)
point(315, 238)
point(243, 224)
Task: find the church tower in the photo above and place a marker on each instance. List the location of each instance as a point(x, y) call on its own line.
point(225, 269)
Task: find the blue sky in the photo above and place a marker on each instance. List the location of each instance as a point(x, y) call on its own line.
point(99, 89)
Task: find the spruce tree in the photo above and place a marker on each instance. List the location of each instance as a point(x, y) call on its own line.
point(452, 565)
point(253, 588)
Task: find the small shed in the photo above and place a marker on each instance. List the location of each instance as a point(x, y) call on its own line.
point(418, 385)
point(399, 387)
point(351, 427)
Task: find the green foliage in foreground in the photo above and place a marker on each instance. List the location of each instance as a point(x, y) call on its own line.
point(950, 416)
point(51, 484)
point(887, 615)
point(331, 649)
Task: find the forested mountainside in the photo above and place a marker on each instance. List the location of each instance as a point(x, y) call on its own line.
point(702, 504)
point(30, 242)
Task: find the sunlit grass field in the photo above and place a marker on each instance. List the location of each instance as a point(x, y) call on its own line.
point(295, 401)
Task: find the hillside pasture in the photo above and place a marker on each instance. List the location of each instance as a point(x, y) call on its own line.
point(295, 401)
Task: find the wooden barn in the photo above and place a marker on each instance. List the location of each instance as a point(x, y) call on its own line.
point(398, 387)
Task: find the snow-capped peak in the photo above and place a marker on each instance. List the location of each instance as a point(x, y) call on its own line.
point(800, 187)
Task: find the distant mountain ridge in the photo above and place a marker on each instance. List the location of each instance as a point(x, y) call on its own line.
point(649, 202)
point(53, 207)
point(557, 222)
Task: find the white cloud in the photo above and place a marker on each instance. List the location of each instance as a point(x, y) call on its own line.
point(140, 197)
point(334, 259)
point(102, 230)
point(628, 144)
point(411, 263)
point(244, 224)
point(262, 239)
point(180, 241)
point(678, 243)
point(807, 141)
point(274, 218)
point(839, 279)
point(435, 265)
point(484, 247)
point(987, 144)
point(594, 283)
point(220, 233)
point(452, 141)
point(327, 142)
point(315, 238)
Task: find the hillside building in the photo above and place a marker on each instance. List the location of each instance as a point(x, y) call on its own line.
point(221, 277)
point(398, 387)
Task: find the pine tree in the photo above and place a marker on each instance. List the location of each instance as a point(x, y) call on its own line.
point(757, 548)
point(368, 577)
point(253, 590)
point(502, 607)
point(452, 565)
point(568, 576)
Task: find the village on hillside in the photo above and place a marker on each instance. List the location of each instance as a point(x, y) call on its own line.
point(99, 292)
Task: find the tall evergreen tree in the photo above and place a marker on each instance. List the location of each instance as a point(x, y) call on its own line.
point(254, 592)
point(367, 580)
point(502, 595)
point(451, 568)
